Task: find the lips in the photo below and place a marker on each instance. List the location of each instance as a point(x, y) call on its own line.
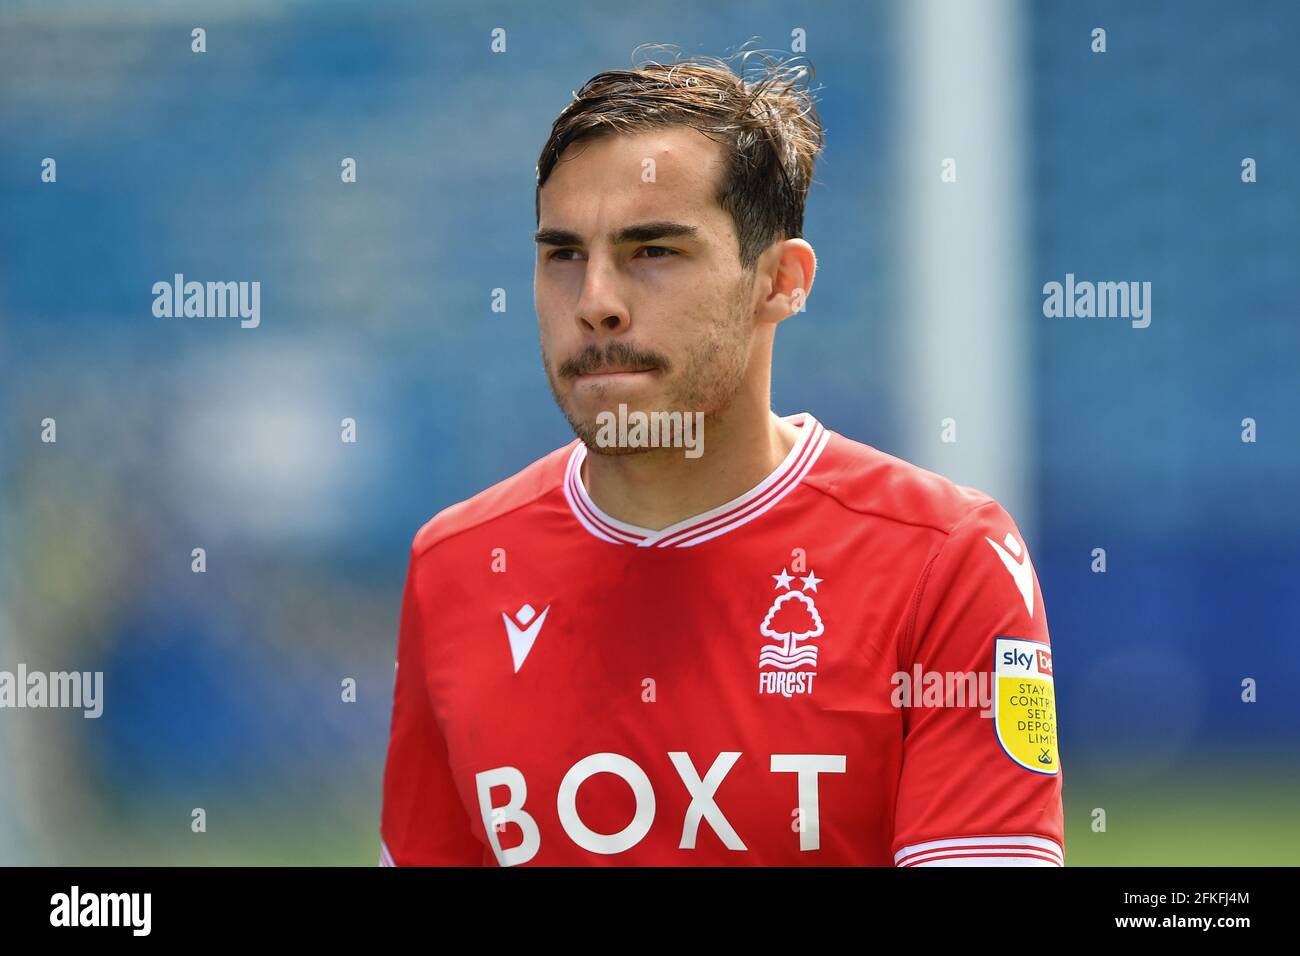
point(614, 381)
point(614, 371)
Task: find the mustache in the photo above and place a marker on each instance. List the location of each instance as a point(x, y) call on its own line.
point(594, 358)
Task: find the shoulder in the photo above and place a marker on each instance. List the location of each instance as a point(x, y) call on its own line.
point(519, 491)
point(867, 481)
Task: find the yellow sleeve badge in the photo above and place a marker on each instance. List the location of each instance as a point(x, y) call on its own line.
point(1024, 703)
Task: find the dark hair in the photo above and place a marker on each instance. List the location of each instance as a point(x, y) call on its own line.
point(767, 124)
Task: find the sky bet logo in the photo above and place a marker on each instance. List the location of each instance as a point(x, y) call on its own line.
point(1019, 658)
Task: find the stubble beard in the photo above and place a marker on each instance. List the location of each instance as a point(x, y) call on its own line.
point(712, 375)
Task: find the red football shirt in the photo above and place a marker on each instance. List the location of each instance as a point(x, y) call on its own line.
point(846, 665)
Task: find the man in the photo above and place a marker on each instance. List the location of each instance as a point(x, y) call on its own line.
point(775, 646)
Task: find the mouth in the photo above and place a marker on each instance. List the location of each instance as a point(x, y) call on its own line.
point(609, 376)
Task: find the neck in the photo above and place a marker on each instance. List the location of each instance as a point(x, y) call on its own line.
point(661, 486)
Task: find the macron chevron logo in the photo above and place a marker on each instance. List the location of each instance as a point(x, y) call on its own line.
point(1016, 560)
point(522, 630)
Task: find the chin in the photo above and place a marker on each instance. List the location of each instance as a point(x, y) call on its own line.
point(589, 408)
point(587, 429)
point(612, 451)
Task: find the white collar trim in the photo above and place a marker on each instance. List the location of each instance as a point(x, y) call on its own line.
point(716, 521)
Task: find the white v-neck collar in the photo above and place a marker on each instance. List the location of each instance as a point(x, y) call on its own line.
point(702, 527)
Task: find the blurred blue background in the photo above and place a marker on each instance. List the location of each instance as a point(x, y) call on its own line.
point(223, 688)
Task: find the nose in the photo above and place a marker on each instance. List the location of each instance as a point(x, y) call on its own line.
point(611, 323)
point(601, 312)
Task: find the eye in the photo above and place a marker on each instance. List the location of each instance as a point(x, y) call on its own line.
point(560, 252)
point(664, 249)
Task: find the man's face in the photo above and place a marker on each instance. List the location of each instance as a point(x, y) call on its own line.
point(640, 295)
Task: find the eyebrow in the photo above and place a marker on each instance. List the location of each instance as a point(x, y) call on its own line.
point(641, 232)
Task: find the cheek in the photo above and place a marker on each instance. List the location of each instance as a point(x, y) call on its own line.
point(717, 349)
point(550, 320)
point(549, 295)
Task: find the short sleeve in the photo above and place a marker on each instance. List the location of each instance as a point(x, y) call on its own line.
point(422, 822)
point(981, 777)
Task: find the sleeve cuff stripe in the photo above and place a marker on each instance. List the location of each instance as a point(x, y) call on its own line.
point(385, 858)
point(982, 858)
point(1009, 859)
point(988, 846)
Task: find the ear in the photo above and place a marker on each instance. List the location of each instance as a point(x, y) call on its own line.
point(786, 273)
